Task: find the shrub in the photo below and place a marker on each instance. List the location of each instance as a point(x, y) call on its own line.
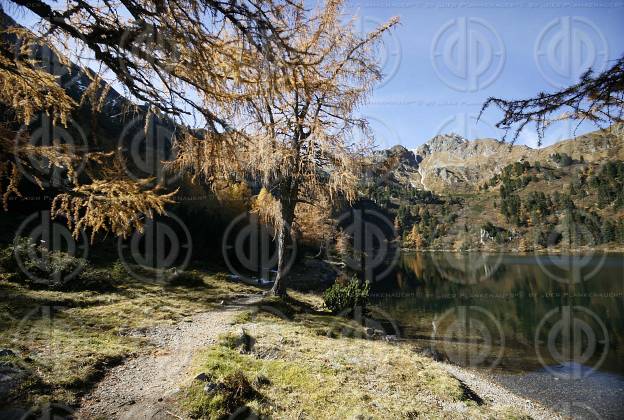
point(37, 265)
point(21, 246)
point(118, 271)
point(242, 341)
point(54, 269)
point(186, 279)
point(340, 297)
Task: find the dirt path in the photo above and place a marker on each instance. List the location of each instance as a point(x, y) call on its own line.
point(143, 387)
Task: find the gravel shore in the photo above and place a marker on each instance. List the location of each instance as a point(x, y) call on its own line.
point(496, 395)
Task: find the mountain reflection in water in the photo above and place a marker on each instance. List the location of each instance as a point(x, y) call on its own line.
point(510, 313)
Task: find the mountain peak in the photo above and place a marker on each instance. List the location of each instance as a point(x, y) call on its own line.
point(446, 140)
point(442, 143)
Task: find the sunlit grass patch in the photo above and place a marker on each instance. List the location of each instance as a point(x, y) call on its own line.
point(65, 341)
point(243, 317)
point(291, 386)
point(312, 375)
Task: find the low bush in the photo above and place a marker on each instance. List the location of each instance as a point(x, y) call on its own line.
point(21, 246)
point(339, 298)
point(186, 279)
point(37, 266)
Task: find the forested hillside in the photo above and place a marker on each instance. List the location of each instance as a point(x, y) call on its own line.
point(546, 199)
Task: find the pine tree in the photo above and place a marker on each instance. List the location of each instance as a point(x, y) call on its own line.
point(398, 227)
point(620, 231)
point(608, 231)
point(200, 67)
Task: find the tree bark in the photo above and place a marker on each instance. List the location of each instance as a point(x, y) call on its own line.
point(284, 236)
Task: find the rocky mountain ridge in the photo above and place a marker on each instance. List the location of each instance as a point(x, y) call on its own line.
point(451, 163)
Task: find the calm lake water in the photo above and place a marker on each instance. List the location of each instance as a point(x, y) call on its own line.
point(562, 315)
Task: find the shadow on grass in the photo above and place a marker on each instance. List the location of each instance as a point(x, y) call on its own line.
point(287, 307)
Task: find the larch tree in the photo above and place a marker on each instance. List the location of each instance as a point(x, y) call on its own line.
point(299, 133)
point(179, 59)
point(598, 98)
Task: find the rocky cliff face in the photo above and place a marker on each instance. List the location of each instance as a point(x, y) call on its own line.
point(450, 163)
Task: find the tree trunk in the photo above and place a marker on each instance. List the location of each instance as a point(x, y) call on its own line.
point(284, 237)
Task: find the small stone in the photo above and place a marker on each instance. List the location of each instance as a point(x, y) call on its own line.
point(6, 352)
point(210, 388)
point(202, 377)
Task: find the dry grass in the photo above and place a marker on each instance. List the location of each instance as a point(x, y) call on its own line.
point(66, 340)
point(304, 362)
point(298, 371)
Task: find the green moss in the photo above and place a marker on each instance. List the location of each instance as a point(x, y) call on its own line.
point(243, 318)
point(295, 379)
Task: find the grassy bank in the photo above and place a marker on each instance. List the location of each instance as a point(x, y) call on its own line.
point(64, 341)
point(283, 359)
point(304, 363)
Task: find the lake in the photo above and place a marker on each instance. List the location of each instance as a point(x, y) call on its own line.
point(548, 317)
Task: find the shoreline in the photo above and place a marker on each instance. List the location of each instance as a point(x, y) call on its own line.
point(498, 395)
point(121, 394)
point(553, 251)
point(544, 396)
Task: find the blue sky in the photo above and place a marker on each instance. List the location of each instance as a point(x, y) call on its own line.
point(446, 58)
